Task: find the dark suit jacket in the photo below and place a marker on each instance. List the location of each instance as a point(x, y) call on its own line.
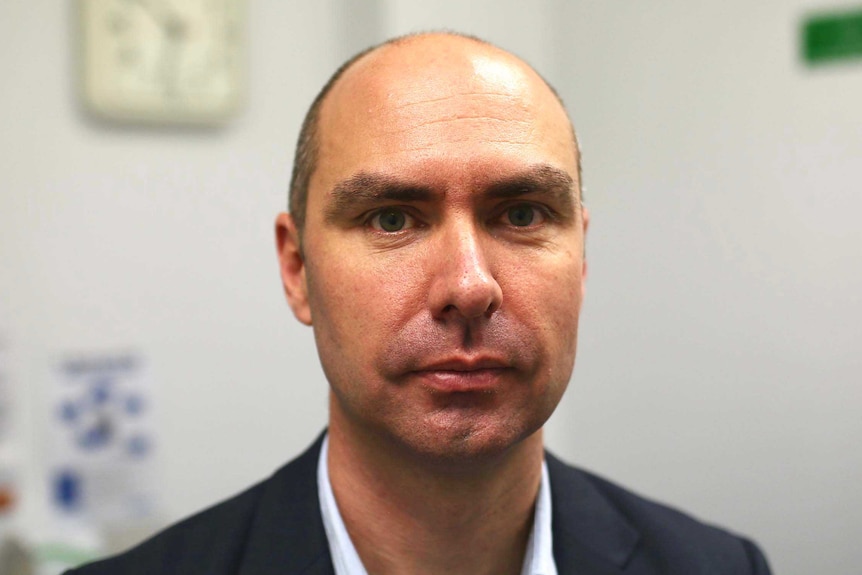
point(275, 528)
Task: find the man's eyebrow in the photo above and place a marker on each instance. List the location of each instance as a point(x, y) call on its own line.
point(365, 189)
point(542, 179)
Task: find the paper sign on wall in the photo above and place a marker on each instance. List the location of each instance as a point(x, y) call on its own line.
point(103, 438)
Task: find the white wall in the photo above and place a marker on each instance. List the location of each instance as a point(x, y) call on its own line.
point(161, 241)
point(719, 362)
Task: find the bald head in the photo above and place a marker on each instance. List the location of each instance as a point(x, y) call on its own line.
point(411, 76)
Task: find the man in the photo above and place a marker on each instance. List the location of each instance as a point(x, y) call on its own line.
point(436, 246)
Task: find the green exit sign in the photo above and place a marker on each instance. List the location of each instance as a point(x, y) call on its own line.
point(831, 37)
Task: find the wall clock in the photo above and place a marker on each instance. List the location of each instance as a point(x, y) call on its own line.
point(162, 61)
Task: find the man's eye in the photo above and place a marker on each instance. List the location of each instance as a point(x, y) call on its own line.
point(391, 220)
point(523, 215)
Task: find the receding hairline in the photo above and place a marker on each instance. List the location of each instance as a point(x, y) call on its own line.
point(417, 37)
point(306, 158)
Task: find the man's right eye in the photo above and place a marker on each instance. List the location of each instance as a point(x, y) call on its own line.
point(391, 220)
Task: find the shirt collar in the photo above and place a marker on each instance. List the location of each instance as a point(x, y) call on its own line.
point(538, 560)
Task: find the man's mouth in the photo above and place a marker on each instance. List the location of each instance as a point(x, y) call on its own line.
point(463, 375)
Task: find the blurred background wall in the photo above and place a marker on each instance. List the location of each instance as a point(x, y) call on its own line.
point(719, 365)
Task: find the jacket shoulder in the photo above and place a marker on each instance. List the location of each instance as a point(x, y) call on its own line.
point(642, 535)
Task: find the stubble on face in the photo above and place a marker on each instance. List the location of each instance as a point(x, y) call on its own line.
point(447, 116)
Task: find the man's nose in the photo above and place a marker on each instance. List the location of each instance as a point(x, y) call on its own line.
point(464, 285)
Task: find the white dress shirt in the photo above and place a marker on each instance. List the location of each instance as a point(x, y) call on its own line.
point(538, 560)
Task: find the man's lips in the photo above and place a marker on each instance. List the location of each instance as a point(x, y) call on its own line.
point(462, 375)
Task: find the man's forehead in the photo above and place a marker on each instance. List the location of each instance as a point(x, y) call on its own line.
point(407, 66)
point(441, 98)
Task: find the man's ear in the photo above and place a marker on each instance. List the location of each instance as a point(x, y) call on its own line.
point(292, 267)
point(585, 214)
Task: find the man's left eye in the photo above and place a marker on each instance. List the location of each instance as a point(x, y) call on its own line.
point(523, 215)
point(391, 220)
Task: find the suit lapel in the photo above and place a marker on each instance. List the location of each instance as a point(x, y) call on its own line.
point(287, 536)
point(590, 536)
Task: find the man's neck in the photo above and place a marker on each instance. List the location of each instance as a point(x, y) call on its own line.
point(407, 517)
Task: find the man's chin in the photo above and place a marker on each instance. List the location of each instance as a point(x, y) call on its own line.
point(457, 432)
point(460, 445)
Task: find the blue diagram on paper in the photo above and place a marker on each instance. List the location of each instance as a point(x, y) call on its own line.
point(100, 413)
